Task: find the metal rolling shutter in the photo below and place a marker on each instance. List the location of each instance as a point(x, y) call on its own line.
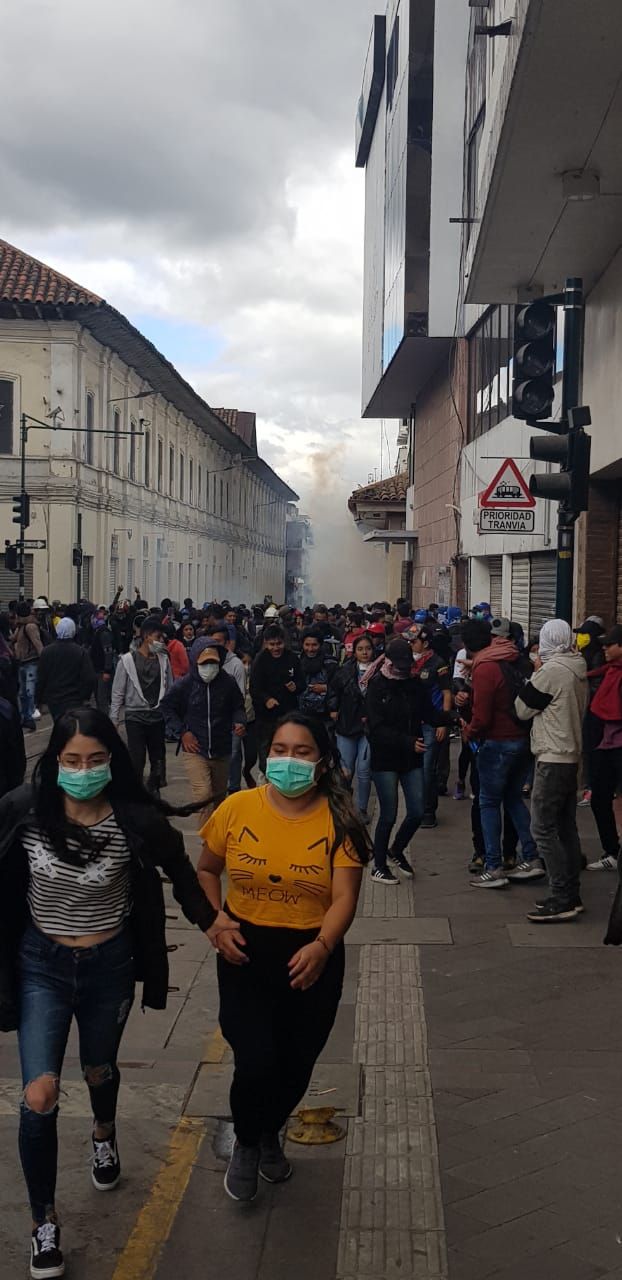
point(495, 570)
point(542, 589)
point(9, 582)
point(521, 573)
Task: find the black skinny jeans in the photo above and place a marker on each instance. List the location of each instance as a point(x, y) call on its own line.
point(148, 737)
point(276, 1034)
point(606, 780)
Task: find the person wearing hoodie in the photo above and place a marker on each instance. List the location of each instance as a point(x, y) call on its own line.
point(346, 706)
point(503, 756)
point(27, 647)
point(603, 735)
point(141, 681)
point(397, 704)
point(318, 671)
point(101, 649)
point(554, 700)
point(276, 681)
point(65, 674)
point(204, 710)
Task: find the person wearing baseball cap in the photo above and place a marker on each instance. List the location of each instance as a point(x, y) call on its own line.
point(396, 705)
point(604, 734)
point(590, 645)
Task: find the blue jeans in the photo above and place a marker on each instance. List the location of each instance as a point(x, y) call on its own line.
point(355, 756)
point(56, 982)
point(413, 788)
point(27, 686)
point(502, 767)
point(430, 762)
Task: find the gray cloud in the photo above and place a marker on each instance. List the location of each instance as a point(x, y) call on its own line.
point(194, 159)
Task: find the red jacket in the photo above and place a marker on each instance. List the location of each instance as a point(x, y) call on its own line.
point(493, 704)
point(178, 655)
point(607, 701)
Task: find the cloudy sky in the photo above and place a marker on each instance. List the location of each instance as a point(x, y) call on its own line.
point(192, 161)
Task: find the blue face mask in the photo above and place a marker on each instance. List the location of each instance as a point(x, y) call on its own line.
point(84, 784)
point(290, 776)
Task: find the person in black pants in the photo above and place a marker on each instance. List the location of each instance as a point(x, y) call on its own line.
point(275, 683)
point(294, 852)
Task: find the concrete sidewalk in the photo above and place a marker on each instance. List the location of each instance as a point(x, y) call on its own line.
point(475, 1066)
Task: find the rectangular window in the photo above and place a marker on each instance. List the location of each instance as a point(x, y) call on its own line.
point(182, 476)
point(491, 345)
point(133, 438)
point(145, 546)
point(222, 498)
point(171, 470)
point(472, 175)
point(131, 578)
point(145, 582)
point(89, 439)
point(7, 393)
point(147, 459)
point(160, 465)
point(199, 484)
point(393, 58)
point(116, 442)
point(191, 481)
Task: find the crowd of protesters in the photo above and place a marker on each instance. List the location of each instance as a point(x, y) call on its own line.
point(310, 710)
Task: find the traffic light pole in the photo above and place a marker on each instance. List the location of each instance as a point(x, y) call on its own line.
point(574, 317)
point(21, 560)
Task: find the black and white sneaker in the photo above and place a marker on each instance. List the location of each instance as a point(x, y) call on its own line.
point(402, 864)
point(46, 1259)
point(106, 1167)
point(554, 912)
point(273, 1163)
point(383, 876)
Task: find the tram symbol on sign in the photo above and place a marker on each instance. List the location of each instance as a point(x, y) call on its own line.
point(507, 489)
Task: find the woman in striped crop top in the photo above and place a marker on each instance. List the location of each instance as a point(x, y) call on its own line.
point(81, 917)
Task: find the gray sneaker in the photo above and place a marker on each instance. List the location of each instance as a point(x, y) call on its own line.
point(533, 870)
point(273, 1163)
point(242, 1174)
point(490, 880)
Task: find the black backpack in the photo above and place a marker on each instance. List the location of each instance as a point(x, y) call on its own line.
point(514, 680)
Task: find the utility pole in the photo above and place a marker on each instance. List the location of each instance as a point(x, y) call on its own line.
point(78, 560)
point(574, 323)
point(21, 555)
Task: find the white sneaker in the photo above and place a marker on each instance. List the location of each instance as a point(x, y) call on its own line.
point(606, 863)
point(36, 715)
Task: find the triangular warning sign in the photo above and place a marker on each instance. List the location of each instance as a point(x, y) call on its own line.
point(507, 489)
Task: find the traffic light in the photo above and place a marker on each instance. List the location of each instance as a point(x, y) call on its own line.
point(533, 369)
point(21, 509)
point(570, 485)
point(10, 558)
point(77, 557)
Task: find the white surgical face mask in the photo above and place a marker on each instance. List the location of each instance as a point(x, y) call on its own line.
point(208, 671)
point(533, 656)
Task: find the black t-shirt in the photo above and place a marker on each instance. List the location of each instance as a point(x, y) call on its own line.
point(434, 673)
point(148, 672)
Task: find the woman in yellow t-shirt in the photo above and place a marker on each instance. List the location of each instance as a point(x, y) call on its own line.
point(293, 851)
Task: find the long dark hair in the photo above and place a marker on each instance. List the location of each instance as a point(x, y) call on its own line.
point(349, 828)
point(124, 789)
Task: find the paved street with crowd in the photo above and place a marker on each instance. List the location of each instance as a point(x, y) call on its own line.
point(474, 1067)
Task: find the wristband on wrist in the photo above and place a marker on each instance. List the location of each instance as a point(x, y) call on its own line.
point(322, 939)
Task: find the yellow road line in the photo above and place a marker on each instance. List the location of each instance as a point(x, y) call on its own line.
point(153, 1226)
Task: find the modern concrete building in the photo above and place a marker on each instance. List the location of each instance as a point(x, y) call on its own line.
point(161, 492)
point(490, 138)
point(299, 540)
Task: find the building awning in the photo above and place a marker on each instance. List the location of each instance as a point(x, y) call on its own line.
point(391, 535)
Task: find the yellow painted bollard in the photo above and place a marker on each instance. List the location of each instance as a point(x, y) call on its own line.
point(315, 1125)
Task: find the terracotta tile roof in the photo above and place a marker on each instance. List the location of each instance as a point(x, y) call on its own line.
point(243, 423)
point(392, 489)
point(26, 280)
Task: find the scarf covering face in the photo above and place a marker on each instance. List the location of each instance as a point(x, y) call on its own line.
point(555, 637)
point(497, 651)
point(391, 673)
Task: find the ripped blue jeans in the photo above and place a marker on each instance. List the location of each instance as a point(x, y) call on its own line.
point(57, 983)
